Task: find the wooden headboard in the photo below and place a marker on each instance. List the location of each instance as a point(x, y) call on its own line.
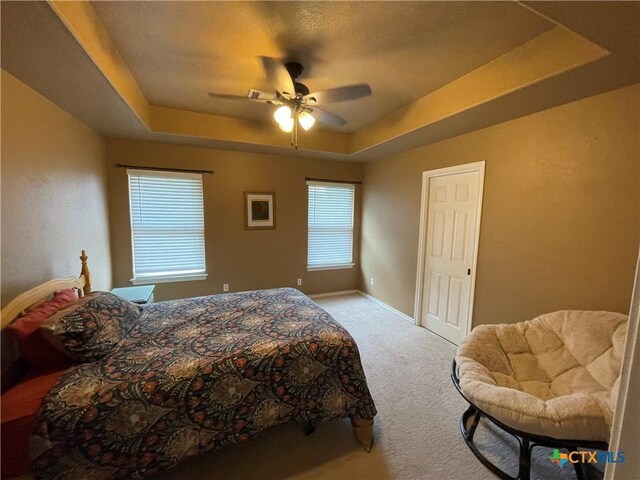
point(36, 295)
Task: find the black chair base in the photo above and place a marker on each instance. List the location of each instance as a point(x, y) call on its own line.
point(469, 423)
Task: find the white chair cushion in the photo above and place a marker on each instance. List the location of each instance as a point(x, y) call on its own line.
point(556, 375)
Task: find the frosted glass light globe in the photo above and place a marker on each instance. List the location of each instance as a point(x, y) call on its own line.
point(282, 115)
point(306, 120)
point(286, 125)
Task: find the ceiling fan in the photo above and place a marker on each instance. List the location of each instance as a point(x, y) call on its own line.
point(294, 100)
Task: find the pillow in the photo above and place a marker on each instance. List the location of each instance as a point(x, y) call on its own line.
point(19, 408)
point(90, 328)
point(34, 349)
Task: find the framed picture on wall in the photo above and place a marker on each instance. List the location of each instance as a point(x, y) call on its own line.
point(259, 210)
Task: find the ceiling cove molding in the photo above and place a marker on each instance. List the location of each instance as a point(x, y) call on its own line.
point(550, 54)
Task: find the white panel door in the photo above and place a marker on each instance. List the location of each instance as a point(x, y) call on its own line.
point(449, 250)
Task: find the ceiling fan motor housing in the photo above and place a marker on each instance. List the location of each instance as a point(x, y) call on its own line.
point(301, 88)
point(295, 69)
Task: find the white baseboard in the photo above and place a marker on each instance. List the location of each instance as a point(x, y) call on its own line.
point(388, 307)
point(332, 294)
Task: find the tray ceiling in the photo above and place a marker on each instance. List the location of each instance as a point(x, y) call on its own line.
point(180, 51)
point(437, 69)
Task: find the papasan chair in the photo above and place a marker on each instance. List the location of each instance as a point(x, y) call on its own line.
point(552, 381)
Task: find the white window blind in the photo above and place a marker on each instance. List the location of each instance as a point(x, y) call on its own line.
point(330, 237)
point(167, 223)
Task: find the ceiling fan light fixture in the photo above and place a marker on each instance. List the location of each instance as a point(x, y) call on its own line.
point(287, 124)
point(306, 120)
point(283, 116)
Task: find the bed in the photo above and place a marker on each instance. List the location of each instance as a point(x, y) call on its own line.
point(193, 375)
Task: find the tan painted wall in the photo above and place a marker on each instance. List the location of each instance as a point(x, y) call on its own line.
point(54, 199)
point(561, 211)
point(243, 259)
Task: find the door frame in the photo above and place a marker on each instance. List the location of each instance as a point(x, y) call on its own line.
point(422, 242)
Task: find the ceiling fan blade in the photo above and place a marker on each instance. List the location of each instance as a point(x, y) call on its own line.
point(338, 94)
point(278, 76)
point(254, 95)
point(327, 117)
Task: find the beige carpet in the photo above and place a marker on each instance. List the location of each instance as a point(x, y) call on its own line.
point(416, 429)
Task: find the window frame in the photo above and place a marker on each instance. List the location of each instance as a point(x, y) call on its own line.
point(334, 266)
point(178, 275)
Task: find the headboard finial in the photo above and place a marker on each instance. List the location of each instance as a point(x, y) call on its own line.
point(84, 272)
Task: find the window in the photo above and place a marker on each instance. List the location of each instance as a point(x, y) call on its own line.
point(330, 226)
point(167, 226)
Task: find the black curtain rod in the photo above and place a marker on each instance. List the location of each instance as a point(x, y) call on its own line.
point(309, 179)
point(161, 169)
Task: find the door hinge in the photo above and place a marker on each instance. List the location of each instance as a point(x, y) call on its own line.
point(468, 271)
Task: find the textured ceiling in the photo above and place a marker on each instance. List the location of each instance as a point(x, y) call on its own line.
point(180, 51)
point(63, 51)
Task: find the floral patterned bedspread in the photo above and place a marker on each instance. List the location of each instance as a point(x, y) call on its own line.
point(194, 375)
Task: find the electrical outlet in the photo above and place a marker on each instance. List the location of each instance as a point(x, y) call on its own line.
point(299, 281)
point(371, 281)
point(225, 287)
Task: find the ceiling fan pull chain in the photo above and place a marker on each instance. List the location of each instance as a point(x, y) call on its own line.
point(295, 126)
